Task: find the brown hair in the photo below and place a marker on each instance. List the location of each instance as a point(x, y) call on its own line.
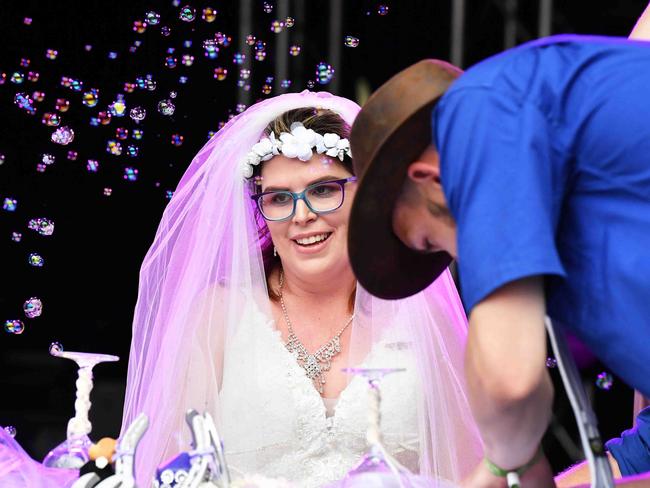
point(321, 121)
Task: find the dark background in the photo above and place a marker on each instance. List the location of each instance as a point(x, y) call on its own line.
point(88, 284)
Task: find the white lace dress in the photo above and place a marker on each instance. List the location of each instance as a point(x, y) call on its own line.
point(274, 423)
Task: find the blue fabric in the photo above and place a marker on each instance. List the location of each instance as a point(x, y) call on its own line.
point(545, 164)
point(632, 449)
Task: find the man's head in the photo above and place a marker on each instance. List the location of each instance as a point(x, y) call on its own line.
point(421, 218)
point(401, 235)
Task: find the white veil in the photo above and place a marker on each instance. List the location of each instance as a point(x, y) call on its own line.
point(204, 268)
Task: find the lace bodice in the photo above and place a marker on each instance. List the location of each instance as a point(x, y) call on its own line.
point(274, 422)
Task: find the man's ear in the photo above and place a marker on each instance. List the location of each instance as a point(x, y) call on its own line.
point(424, 172)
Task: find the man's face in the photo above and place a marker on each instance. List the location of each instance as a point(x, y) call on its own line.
point(421, 218)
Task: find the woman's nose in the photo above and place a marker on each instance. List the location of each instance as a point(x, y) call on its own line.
point(303, 214)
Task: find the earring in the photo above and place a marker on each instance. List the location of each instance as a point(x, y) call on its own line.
point(275, 251)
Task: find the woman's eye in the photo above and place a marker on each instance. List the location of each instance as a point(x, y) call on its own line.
point(280, 198)
point(324, 190)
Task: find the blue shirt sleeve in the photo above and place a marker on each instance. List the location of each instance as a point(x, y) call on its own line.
point(502, 187)
point(632, 449)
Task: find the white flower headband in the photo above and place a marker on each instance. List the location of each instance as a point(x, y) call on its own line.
point(297, 144)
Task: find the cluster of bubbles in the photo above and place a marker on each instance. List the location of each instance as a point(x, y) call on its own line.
point(324, 73)
point(9, 204)
point(36, 260)
point(43, 226)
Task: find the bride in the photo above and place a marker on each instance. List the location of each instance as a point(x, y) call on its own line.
point(248, 309)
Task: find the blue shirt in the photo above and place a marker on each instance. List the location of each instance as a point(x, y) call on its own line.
point(632, 449)
point(545, 164)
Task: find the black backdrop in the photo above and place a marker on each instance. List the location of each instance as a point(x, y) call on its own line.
point(88, 284)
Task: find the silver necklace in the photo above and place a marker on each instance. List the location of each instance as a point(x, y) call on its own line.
point(315, 365)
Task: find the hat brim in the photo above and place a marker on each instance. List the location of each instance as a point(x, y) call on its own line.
point(383, 265)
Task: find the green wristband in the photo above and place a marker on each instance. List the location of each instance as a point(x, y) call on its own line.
point(512, 475)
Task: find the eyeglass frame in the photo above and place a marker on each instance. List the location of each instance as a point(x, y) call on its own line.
point(301, 196)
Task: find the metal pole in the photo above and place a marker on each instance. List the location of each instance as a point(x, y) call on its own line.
point(282, 48)
point(545, 18)
point(245, 28)
point(335, 42)
point(457, 32)
point(510, 24)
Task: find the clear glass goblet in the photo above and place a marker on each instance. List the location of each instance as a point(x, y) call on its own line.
point(73, 451)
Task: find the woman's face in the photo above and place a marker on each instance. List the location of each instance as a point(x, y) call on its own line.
point(294, 238)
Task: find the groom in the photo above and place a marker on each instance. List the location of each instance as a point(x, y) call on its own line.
point(532, 169)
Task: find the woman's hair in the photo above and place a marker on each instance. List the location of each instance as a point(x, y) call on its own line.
point(321, 121)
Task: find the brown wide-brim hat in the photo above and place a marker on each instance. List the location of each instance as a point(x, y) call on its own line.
point(392, 130)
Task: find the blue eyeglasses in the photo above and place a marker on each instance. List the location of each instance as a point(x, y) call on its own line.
point(323, 197)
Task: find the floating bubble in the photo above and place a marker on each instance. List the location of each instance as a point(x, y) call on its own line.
point(90, 98)
point(187, 14)
point(10, 429)
point(285, 83)
point(551, 363)
point(16, 236)
point(114, 148)
point(24, 62)
point(239, 58)
point(382, 9)
point(33, 308)
point(14, 326)
point(244, 73)
point(73, 155)
point(40, 168)
point(351, 41)
point(260, 55)
point(220, 73)
point(240, 107)
point(260, 45)
point(108, 192)
point(152, 18)
point(63, 135)
point(121, 133)
point(43, 226)
point(48, 159)
point(324, 73)
point(138, 114)
point(170, 61)
point(165, 30)
point(51, 54)
point(139, 26)
point(130, 174)
point(132, 151)
point(92, 165)
point(277, 26)
point(55, 348)
point(172, 94)
point(294, 50)
point(604, 381)
point(267, 7)
point(23, 100)
point(33, 76)
point(17, 77)
point(266, 89)
point(289, 22)
point(311, 84)
point(250, 39)
point(51, 119)
point(88, 48)
point(187, 60)
point(129, 87)
point(62, 105)
point(209, 14)
point(166, 107)
point(27, 21)
point(177, 140)
point(10, 204)
point(104, 118)
point(38, 96)
point(36, 260)
point(137, 134)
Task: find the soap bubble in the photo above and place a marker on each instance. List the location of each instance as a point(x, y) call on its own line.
point(92, 165)
point(209, 14)
point(382, 9)
point(311, 84)
point(108, 192)
point(36, 260)
point(9, 204)
point(294, 50)
point(10, 430)
point(277, 26)
point(324, 73)
point(289, 22)
point(177, 140)
point(130, 174)
point(187, 14)
point(14, 326)
point(266, 89)
point(16, 236)
point(33, 308)
point(90, 98)
point(166, 107)
point(43, 226)
point(268, 8)
point(220, 73)
point(152, 18)
point(351, 41)
point(250, 39)
point(604, 381)
point(138, 114)
point(551, 363)
point(239, 58)
point(63, 135)
point(56, 348)
point(165, 30)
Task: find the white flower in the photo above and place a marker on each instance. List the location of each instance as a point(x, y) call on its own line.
point(299, 142)
point(246, 170)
